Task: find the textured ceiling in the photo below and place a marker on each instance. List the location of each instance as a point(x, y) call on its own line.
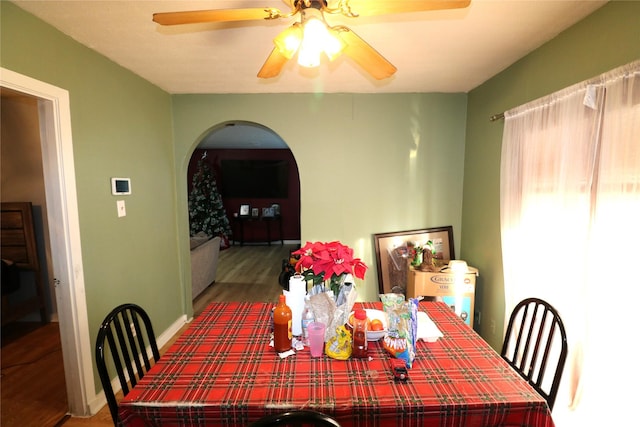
point(437, 51)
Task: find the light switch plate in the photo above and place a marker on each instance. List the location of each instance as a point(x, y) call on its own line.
point(122, 211)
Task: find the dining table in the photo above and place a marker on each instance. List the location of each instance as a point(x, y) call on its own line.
point(222, 371)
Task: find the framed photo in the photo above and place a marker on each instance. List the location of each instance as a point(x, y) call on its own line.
point(255, 212)
point(244, 210)
point(394, 254)
point(267, 212)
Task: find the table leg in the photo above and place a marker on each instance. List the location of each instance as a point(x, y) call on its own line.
point(268, 232)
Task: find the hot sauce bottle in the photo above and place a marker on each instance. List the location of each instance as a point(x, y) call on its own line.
point(282, 333)
point(360, 343)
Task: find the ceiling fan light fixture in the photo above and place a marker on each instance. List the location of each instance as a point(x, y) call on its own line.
point(289, 41)
point(318, 39)
point(334, 45)
point(314, 34)
point(333, 41)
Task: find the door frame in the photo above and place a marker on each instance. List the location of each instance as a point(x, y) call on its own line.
point(64, 231)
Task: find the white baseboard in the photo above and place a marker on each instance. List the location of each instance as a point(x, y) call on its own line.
point(169, 333)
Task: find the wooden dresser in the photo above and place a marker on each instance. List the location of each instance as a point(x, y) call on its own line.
point(19, 247)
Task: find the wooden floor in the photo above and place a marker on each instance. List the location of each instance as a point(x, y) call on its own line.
point(32, 382)
point(246, 273)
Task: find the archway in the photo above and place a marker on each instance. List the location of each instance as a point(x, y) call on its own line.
point(254, 169)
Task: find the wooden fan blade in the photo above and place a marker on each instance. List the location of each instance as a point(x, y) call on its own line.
point(366, 56)
point(273, 65)
point(220, 15)
point(370, 8)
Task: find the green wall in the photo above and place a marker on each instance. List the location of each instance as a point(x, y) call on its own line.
point(121, 127)
point(368, 163)
point(608, 38)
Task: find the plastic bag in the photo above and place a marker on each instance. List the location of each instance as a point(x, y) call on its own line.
point(400, 340)
point(339, 346)
point(326, 311)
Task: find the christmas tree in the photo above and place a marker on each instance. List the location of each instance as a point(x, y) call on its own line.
point(206, 211)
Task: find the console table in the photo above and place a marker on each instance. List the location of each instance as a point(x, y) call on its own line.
point(266, 221)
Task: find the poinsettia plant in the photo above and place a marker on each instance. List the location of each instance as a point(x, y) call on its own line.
point(330, 261)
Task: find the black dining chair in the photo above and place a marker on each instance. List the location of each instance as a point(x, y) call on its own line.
point(296, 418)
point(535, 340)
point(125, 335)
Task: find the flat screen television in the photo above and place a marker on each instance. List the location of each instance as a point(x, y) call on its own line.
point(261, 179)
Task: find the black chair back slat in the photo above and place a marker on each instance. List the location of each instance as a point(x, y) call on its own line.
point(137, 341)
point(545, 354)
point(126, 355)
point(136, 350)
point(117, 361)
point(123, 338)
point(536, 347)
point(296, 418)
point(519, 342)
point(535, 333)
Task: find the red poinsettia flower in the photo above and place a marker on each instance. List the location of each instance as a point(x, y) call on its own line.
point(307, 255)
point(359, 268)
point(329, 260)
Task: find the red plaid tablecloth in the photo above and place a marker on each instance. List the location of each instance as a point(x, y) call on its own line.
point(222, 372)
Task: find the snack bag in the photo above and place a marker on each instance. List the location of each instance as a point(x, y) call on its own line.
point(339, 346)
point(400, 342)
point(397, 347)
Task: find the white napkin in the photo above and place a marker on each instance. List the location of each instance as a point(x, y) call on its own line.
point(427, 330)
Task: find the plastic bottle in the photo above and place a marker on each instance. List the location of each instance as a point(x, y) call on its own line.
point(307, 317)
point(359, 340)
point(282, 332)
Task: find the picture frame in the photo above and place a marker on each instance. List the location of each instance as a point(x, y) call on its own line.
point(255, 212)
point(267, 213)
point(393, 255)
point(244, 210)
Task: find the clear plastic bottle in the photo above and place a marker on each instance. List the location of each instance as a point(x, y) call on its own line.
point(359, 340)
point(307, 317)
point(282, 332)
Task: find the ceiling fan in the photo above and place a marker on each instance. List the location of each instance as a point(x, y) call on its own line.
point(312, 36)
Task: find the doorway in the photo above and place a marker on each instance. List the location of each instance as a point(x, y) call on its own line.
point(22, 181)
point(54, 127)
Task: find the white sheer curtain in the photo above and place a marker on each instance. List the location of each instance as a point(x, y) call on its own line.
point(570, 223)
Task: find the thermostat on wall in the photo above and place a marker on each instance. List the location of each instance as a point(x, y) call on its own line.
point(120, 186)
